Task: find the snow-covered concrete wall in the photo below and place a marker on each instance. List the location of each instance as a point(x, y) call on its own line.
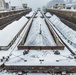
point(68, 33)
point(9, 34)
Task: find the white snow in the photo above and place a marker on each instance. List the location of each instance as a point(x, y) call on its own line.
point(9, 32)
point(30, 14)
point(67, 32)
point(38, 14)
point(6, 73)
point(71, 46)
point(43, 39)
point(48, 14)
point(34, 56)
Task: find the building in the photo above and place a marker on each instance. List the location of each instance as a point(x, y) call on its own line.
point(7, 5)
point(52, 3)
point(24, 5)
point(59, 6)
point(13, 7)
point(70, 6)
point(2, 5)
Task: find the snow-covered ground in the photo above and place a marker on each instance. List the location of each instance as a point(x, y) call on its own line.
point(34, 57)
point(30, 14)
point(40, 34)
point(38, 14)
point(8, 73)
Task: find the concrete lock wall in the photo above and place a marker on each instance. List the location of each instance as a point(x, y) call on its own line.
point(68, 15)
point(11, 17)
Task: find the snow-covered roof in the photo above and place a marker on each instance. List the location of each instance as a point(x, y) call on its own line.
point(9, 32)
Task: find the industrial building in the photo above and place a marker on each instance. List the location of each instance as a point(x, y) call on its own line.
point(2, 5)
